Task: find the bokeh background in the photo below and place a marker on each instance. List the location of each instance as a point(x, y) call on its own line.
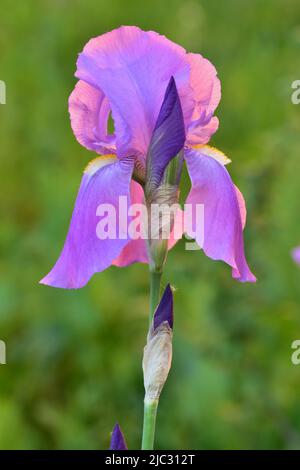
point(74, 357)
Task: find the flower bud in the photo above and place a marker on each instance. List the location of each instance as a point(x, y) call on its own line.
point(158, 350)
point(117, 441)
point(167, 140)
point(163, 170)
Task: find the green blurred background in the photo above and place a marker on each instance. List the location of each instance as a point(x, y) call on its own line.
point(74, 357)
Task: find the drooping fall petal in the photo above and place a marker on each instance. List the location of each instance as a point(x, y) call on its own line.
point(213, 152)
point(84, 253)
point(220, 157)
point(242, 206)
point(117, 441)
point(222, 235)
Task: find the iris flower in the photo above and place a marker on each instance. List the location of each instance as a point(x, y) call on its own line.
point(296, 254)
point(162, 101)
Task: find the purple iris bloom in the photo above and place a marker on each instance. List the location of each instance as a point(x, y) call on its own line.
point(296, 255)
point(117, 441)
point(162, 101)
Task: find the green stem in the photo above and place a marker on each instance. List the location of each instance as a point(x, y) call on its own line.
point(150, 409)
point(155, 279)
point(157, 251)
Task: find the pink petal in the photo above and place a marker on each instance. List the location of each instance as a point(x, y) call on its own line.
point(133, 68)
point(205, 84)
point(84, 253)
point(89, 110)
point(242, 206)
point(136, 250)
point(178, 229)
point(223, 233)
point(207, 94)
point(200, 131)
point(296, 254)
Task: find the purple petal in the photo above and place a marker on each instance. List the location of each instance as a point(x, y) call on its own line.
point(84, 253)
point(207, 94)
point(133, 68)
point(223, 232)
point(136, 250)
point(296, 255)
point(117, 441)
point(168, 136)
point(205, 84)
point(89, 110)
point(201, 131)
point(164, 310)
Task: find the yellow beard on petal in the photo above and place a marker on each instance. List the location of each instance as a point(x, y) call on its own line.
point(213, 152)
point(99, 162)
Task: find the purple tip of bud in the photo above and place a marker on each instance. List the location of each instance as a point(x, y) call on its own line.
point(117, 441)
point(164, 311)
point(171, 100)
point(168, 136)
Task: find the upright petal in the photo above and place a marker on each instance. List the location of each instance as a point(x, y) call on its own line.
point(223, 232)
point(207, 94)
point(201, 130)
point(84, 252)
point(117, 441)
point(133, 68)
point(89, 110)
point(205, 84)
point(167, 139)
